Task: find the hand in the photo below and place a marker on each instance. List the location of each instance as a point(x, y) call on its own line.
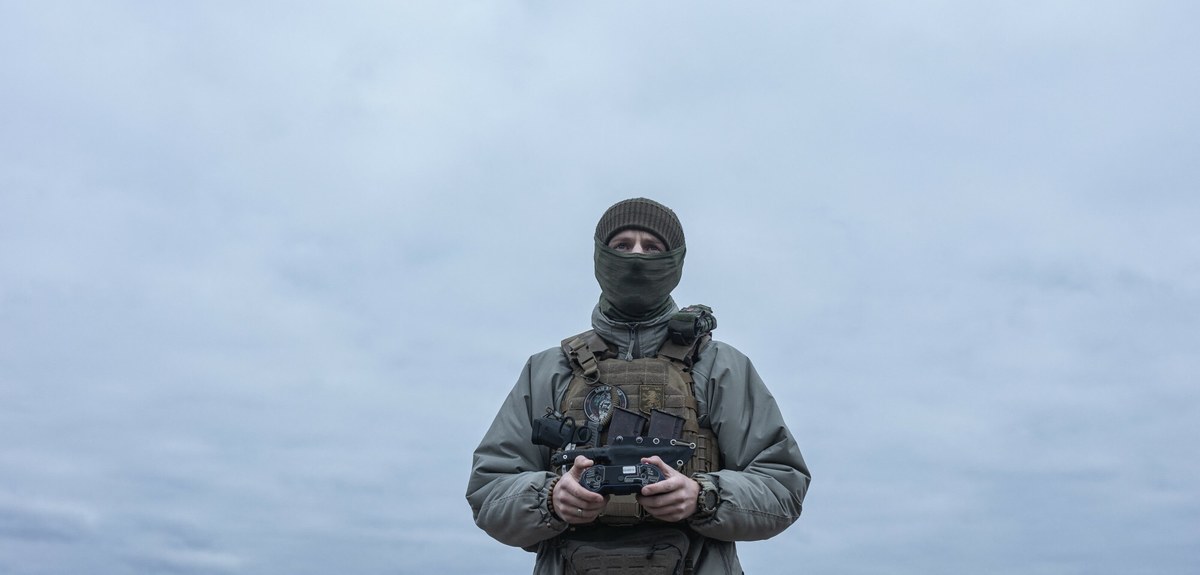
point(572, 502)
point(671, 499)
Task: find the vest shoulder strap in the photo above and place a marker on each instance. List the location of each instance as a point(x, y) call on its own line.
point(684, 354)
point(687, 333)
point(584, 351)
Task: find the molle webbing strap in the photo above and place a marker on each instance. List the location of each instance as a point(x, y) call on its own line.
point(622, 510)
point(684, 354)
point(707, 455)
point(585, 351)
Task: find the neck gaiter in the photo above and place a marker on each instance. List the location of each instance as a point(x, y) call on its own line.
point(636, 287)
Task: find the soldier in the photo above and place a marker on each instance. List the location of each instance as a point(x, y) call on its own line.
point(644, 362)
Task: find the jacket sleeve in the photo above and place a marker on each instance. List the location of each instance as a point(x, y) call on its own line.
point(509, 484)
point(763, 477)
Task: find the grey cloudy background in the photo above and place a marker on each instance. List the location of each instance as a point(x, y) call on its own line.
point(267, 269)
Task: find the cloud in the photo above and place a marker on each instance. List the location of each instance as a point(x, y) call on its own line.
point(46, 521)
point(186, 561)
point(266, 274)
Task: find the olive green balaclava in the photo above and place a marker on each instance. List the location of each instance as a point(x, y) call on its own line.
point(637, 287)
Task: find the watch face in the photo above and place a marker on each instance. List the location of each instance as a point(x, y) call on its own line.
point(710, 500)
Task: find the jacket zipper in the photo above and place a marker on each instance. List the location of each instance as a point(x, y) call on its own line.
point(633, 341)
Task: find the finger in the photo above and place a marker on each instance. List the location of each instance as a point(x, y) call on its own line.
point(581, 515)
point(667, 471)
point(665, 512)
point(670, 478)
point(583, 462)
point(574, 509)
point(587, 500)
point(571, 484)
point(574, 515)
point(665, 505)
point(662, 488)
point(572, 493)
point(580, 465)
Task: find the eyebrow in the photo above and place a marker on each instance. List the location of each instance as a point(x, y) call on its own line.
point(649, 239)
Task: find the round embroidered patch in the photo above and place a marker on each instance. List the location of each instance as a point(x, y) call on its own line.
point(599, 402)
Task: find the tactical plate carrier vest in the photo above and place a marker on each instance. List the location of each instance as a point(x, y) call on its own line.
point(664, 382)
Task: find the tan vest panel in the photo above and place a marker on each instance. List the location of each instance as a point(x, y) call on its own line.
point(641, 385)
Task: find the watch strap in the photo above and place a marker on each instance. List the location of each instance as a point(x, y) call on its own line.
point(708, 498)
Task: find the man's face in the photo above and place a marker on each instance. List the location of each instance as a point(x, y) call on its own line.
point(637, 242)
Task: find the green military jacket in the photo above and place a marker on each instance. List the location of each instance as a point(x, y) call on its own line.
point(762, 482)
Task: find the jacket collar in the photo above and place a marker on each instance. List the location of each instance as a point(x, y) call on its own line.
point(634, 340)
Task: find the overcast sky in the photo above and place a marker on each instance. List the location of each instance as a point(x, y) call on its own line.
point(267, 269)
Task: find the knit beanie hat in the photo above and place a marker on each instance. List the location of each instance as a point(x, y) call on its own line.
point(643, 214)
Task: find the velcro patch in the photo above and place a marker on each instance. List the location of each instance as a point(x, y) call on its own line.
point(650, 397)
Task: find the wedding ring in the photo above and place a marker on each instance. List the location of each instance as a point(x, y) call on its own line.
point(579, 510)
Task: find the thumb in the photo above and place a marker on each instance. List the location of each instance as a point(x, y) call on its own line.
point(581, 463)
point(667, 471)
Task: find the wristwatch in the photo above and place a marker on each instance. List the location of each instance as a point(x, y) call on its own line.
point(709, 497)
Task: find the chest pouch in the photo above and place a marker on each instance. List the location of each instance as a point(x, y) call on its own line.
point(646, 551)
